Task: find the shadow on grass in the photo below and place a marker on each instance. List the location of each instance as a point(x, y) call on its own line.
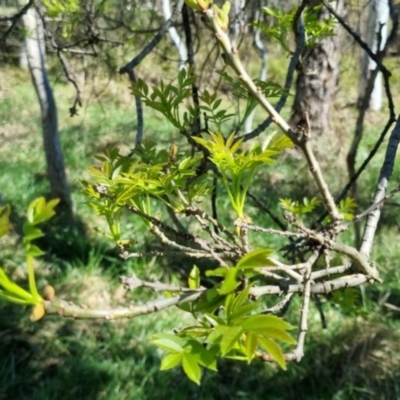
point(66, 366)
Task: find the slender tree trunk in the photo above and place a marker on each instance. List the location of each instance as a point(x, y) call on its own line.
point(174, 35)
point(35, 50)
point(262, 51)
point(376, 35)
point(316, 81)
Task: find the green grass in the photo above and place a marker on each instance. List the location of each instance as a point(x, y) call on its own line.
point(356, 357)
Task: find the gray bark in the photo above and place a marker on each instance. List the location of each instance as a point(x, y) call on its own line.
point(35, 50)
point(316, 82)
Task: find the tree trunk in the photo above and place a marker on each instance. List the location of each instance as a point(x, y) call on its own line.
point(35, 50)
point(262, 51)
point(376, 35)
point(316, 81)
point(174, 35)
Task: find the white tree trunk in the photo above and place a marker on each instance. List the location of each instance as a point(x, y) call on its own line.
point(239, 20)
point(259, 45)
point(377, 30)
point(174, 35)
point(35, 50)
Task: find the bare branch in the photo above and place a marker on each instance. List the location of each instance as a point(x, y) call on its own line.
point(68, 310)
point(132, 282)
point(279, 307)
point(320, 287)
point(154, 42)
point(270, 230)
point(376, 205)
point(14, 19)
point(385, 175)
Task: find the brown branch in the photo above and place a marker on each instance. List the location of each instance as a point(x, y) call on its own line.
point(14, 19)
point(154, 42)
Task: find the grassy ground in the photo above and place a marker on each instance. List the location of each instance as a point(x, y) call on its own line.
point(357, 357)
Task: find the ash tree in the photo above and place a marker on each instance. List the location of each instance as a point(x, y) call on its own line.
point(238, 304)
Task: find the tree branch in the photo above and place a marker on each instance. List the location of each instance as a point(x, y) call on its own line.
point(68, 310)
point(385, 175)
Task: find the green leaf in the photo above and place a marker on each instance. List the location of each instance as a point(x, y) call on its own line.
point(241, 312)
point(209, 301)
point(230, 283)
point(31, 233)
point(13, 289)
point(205, 357)
point(33, 251)
point(228, 304)
point(256, 322)
point(4, 219)
point(7, 296)
point(214, 320)
point(191, 367)
point(274, 350)
point(216, 335)
point(31, 278)
point(230, 338)
point(169, 342)
point(40, 211)
point(274, 333)
point(194, 278)
point(256, 258)
point(250, 345)
point(242, 297)
point(171, 361)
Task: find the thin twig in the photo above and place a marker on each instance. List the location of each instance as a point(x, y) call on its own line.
point(279, 308)
point(132, 282)
point(64, 63)
point(270, 230)
point(376, 205)
point(14, 19)
point(154, 42)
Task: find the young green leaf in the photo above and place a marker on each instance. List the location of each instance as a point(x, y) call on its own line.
point(169, 342)
point(4, 219)
point(194, 278)
point(256, 258)
point(230, 338)
point(13, 289)
point(171, 361)
point(274, 350)
point(230, 283)
point(265, 321)
point(250, 345)
point(191, 367)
